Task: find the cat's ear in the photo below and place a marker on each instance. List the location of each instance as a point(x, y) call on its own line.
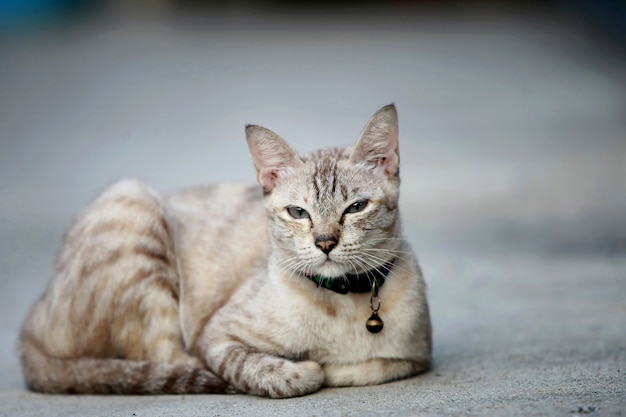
point(378, 145)
point(271, 155)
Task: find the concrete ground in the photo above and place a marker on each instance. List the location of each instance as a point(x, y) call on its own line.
point(513, 139)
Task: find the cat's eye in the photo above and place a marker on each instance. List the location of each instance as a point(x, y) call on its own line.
point(356, 207)
point(297, 212)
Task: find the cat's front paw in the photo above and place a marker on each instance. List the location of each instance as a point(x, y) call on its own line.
point(291, 379)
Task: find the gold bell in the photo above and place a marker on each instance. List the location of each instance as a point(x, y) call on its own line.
point(374, 324)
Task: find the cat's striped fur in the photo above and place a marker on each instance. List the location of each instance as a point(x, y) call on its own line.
point(204, 291)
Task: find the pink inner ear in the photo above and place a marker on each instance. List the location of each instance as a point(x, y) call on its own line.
point(390, 165)
point(268, 179)
point(382, 158)
point(378, 144)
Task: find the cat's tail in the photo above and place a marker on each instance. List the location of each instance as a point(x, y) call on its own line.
point(44, 373)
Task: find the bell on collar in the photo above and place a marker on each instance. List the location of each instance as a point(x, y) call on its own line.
point(374, 324)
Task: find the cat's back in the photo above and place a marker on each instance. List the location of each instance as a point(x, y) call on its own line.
point(219, 221)
point(221, 241)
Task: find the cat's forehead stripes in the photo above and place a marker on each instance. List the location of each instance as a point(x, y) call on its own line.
point(325, 182)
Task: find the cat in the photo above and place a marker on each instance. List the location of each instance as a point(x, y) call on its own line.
point(274, 291)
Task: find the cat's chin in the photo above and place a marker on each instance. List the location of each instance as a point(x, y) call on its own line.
point(331, 269)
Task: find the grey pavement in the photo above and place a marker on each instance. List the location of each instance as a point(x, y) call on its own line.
point(513, 141)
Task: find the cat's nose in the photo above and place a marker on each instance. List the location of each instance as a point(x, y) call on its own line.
point(326, 243)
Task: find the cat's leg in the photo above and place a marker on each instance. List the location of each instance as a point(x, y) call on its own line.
point(372, 372)
point(258, 373)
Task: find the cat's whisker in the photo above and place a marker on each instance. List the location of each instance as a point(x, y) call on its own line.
point(378, 258)
point(384, 249)
point(352, 266)
point(294, 265)
point(364, 264)
point(374, 258)
point(369, 265)
point(395, 254)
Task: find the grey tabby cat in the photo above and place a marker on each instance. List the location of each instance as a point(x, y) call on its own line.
point(274, 291)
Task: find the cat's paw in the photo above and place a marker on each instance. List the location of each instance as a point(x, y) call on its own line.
point(292, 379)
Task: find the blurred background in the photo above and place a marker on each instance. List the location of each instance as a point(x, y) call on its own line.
point(512, 124)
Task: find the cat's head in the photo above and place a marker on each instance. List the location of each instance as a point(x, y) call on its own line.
point(334, 211)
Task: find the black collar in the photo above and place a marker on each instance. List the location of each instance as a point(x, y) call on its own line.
point(357, 283)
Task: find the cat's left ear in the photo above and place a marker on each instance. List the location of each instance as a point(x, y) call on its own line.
point(378, 144)
point(271, 155)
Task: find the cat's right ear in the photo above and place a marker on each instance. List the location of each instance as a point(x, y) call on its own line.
point(271, 155)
